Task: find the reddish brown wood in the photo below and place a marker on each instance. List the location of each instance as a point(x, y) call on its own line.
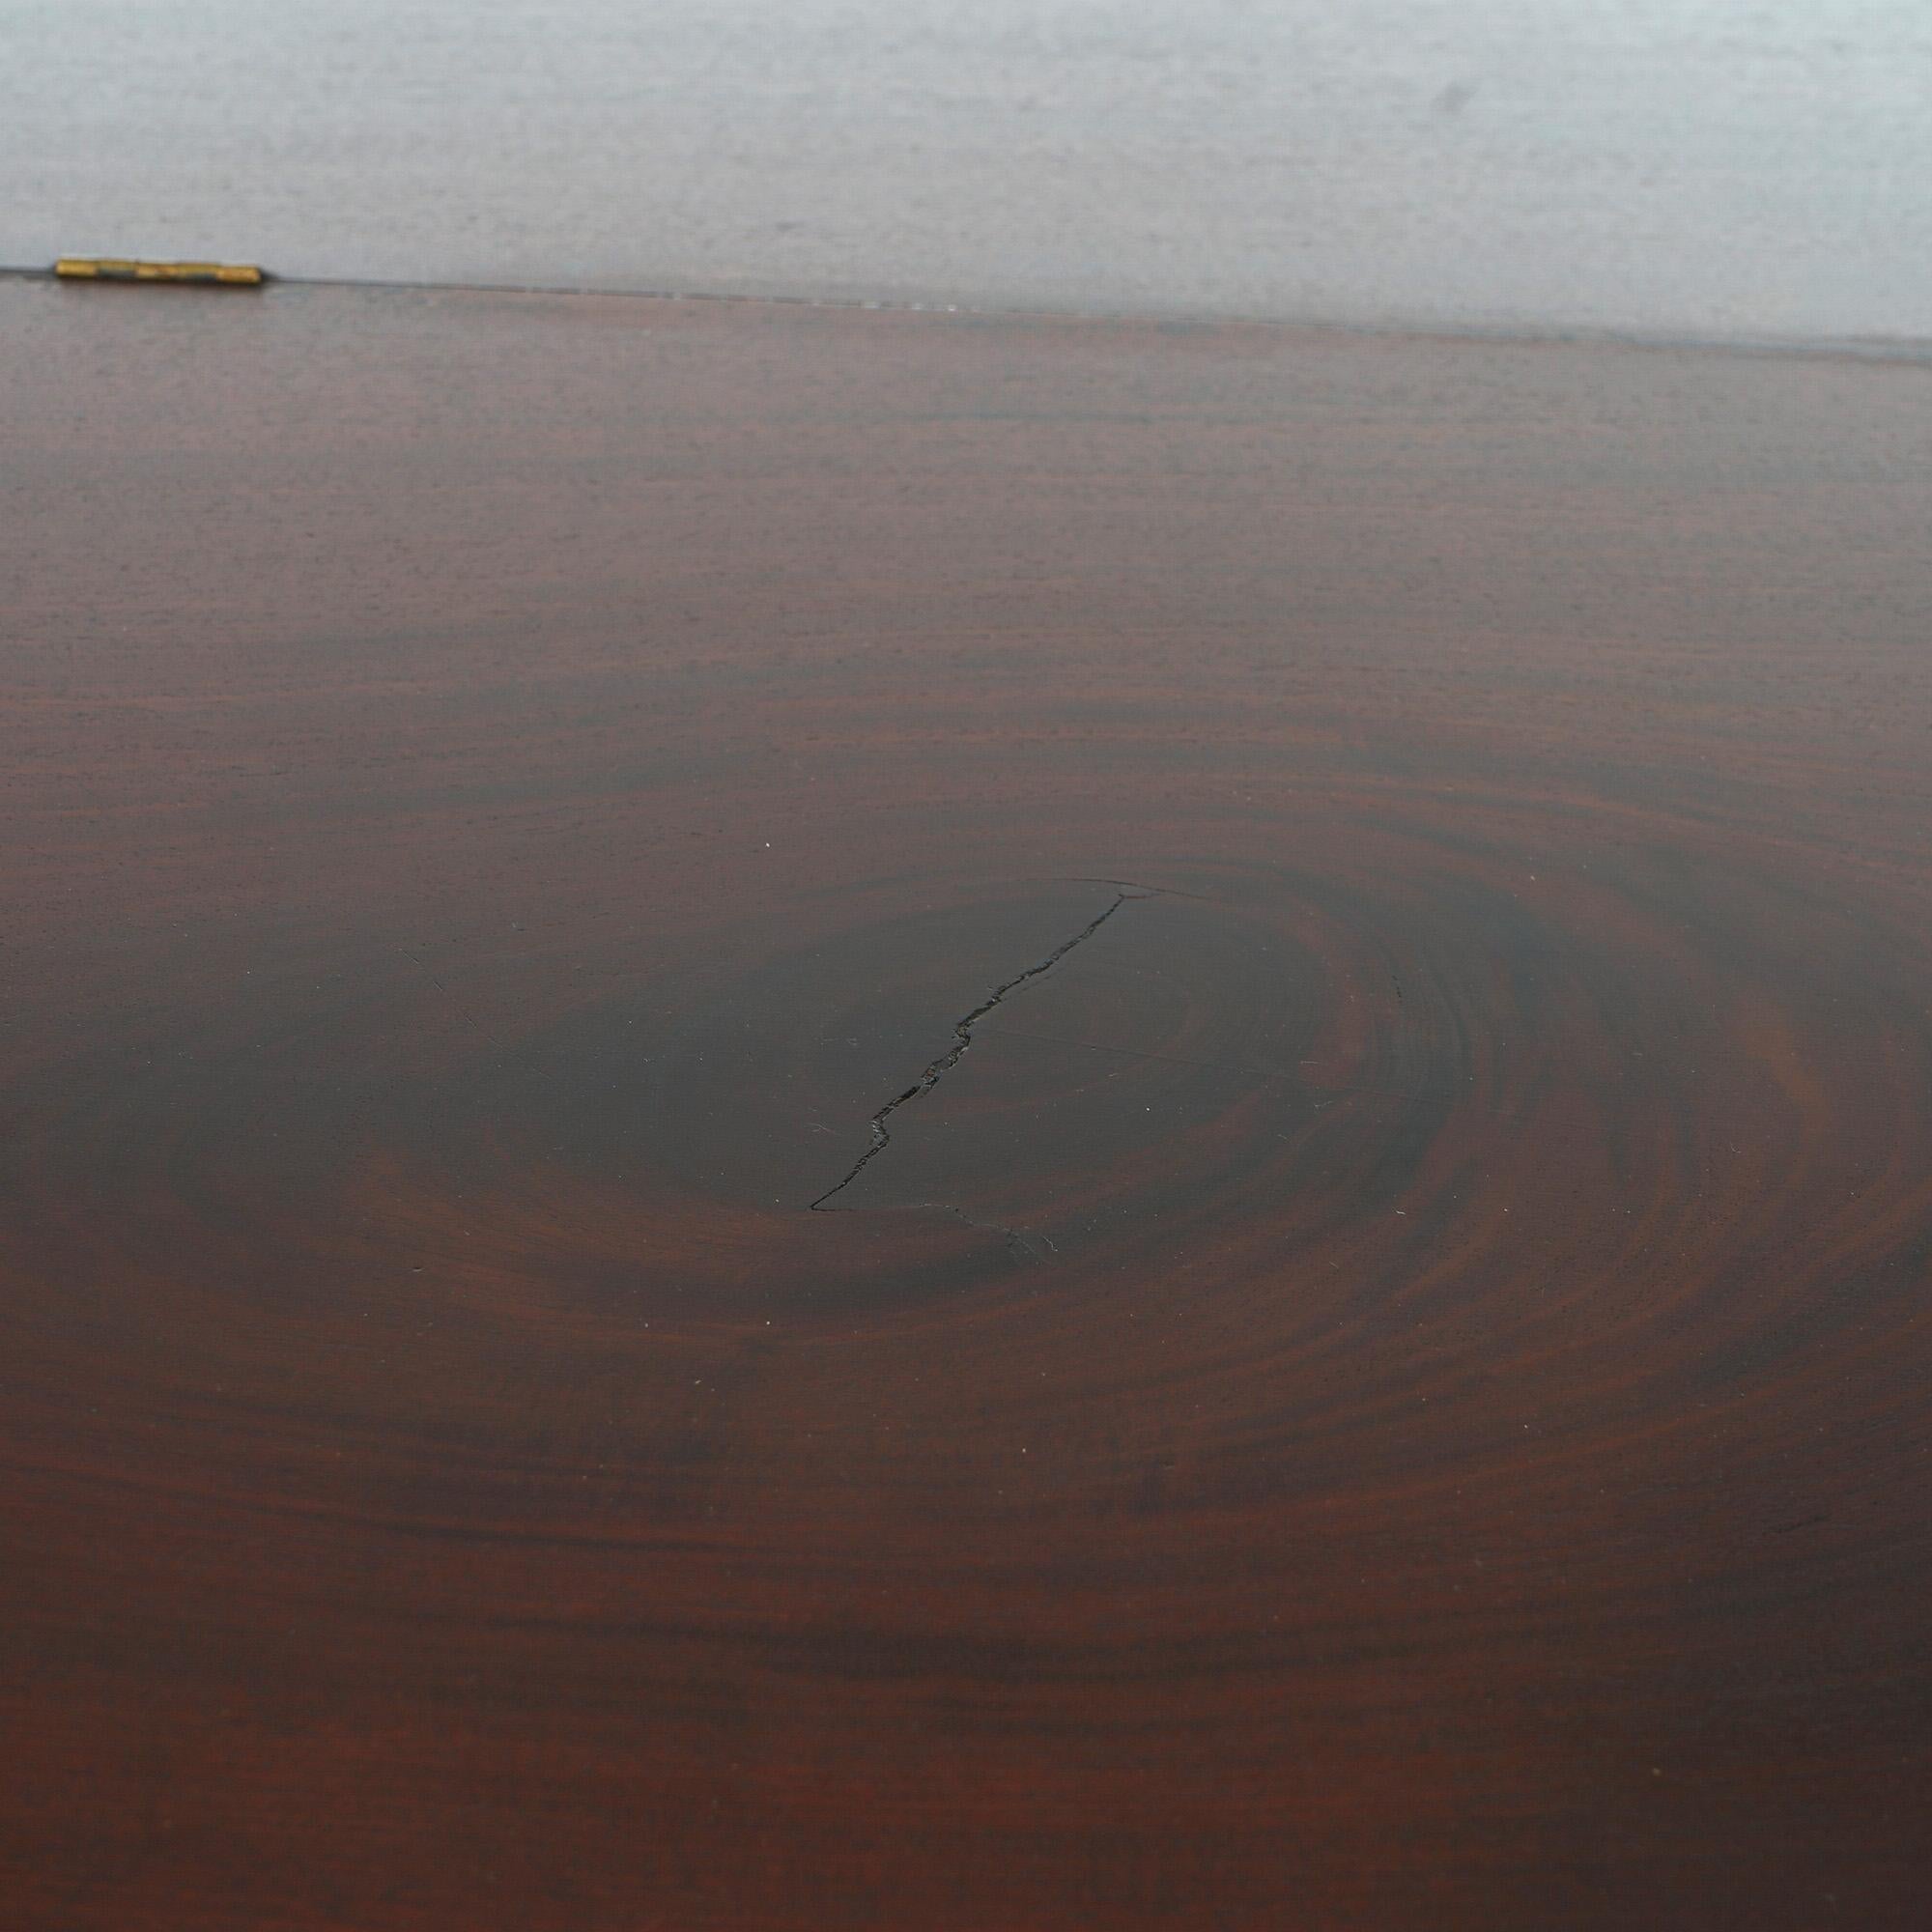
point(1410, 1402)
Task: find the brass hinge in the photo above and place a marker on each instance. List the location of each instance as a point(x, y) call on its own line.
point(218, 274)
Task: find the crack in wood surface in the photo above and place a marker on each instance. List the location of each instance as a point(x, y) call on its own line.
point(963, 1029)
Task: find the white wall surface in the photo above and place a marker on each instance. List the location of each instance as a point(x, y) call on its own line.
point(1695, 168)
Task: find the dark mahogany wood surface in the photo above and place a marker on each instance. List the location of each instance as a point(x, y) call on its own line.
point(1337, 930)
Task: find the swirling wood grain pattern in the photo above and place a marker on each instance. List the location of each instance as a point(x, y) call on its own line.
point(1376, 1371)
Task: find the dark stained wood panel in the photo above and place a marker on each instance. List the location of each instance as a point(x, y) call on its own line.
point(1382, 1375)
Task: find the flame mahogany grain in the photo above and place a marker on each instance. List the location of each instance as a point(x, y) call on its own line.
point(1389, 1384)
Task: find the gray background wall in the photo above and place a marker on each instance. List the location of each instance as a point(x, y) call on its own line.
point(1695, 167)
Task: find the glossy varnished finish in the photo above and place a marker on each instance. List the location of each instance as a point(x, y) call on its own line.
point(1384, 1381)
